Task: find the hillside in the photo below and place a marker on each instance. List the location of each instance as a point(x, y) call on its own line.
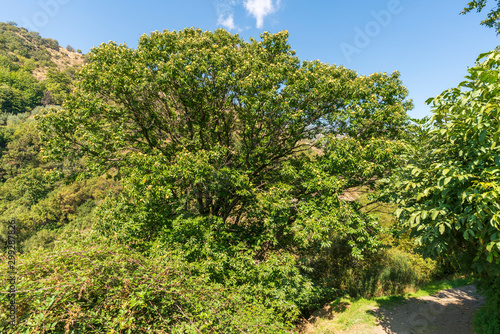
point(23, 47)
point(34, 70)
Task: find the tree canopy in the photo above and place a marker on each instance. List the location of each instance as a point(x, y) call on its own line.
point(232, 162)
point(212, 139)
point(229, 114)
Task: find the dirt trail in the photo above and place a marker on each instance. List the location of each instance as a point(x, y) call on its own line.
point(447, 312)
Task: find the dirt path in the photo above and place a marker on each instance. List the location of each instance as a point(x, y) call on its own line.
point(447, 312)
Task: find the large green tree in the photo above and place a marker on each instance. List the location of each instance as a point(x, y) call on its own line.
point(229, 154)
point(204, 123)
point(211, 137)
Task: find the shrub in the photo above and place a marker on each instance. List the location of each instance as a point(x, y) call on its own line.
point(389, 271)
point(85, 287)
point(400, 272)
point(51, 43)
point(487, 321)
point(13, 120)
point(206, 242)
point(3, 118)
point(42, 239)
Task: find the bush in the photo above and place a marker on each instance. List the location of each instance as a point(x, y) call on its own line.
point(38, 109)
point(13, 120)
point(389, 271)
point(51, 43)
point(42, 239)
point(206, 242)
point(3, 118)
point(487, 321)
point(85, 287)
point(400, 272)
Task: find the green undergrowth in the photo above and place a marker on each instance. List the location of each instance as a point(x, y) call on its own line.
point(83, 286)
point(396, 268)
point(487, 321)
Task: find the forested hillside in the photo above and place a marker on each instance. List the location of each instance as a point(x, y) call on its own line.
point(34, 71)
point(201, 183)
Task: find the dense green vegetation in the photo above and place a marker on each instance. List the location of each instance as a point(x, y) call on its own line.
point(449, 192)
point(202, 183)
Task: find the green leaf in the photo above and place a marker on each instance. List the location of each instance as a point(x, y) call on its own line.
point(482, 135)
point(442, 228)
point(447, 180)
point(489, 246)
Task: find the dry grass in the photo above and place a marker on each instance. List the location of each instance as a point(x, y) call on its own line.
point(63, 59)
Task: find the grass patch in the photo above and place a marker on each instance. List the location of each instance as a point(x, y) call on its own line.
point(356, 315)
point(434, 287)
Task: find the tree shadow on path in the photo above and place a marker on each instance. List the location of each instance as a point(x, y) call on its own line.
point(447, 312)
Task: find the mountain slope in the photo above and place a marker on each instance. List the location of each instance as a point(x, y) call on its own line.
point(34, 70)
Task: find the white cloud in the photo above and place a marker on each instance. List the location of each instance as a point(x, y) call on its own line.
point(225, 14)
point(257, 8)
point(227, 22)
point(260, 9)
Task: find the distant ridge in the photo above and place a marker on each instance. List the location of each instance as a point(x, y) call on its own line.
point(23, 47)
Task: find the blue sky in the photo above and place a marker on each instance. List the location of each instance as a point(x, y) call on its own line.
point(426, 40)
